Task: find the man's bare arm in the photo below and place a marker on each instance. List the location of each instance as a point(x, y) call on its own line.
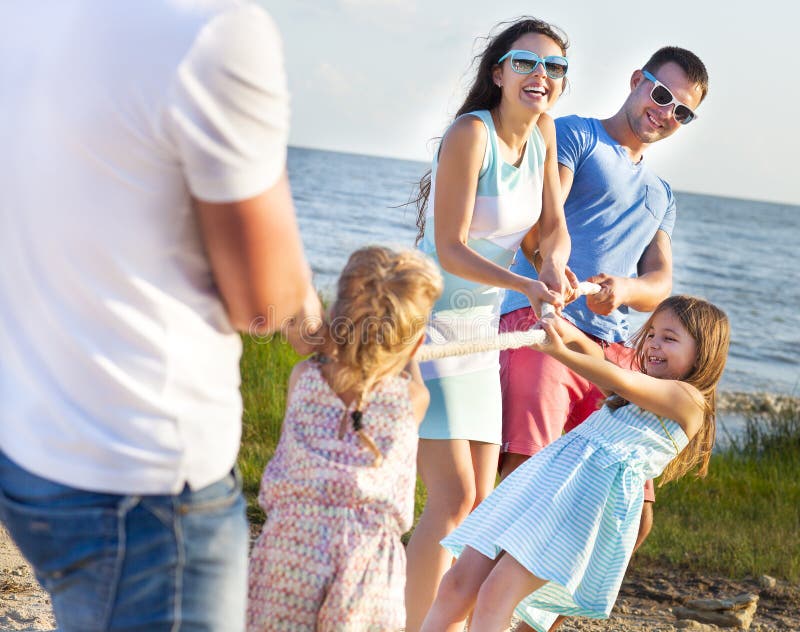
point(257, 259)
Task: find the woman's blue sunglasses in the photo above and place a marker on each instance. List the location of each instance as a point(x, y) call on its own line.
point(524, 62)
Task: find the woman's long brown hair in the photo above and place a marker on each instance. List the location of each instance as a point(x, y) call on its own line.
point(484, 94)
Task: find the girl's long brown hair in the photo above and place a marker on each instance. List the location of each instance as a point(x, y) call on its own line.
point(709, 327)
point(484, 94)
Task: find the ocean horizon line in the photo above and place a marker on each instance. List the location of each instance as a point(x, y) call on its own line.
point(426, 164)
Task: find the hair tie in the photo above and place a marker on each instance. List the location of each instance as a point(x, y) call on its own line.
point(356, 416)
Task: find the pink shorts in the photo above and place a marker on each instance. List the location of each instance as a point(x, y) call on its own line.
point(542, 398)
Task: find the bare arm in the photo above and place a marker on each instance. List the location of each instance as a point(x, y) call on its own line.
point(530, 247)
point(654, 282)
point(420, 397)
point(667, 398)
point(574, 338)
point(566, 177)
point(257, 259)
point(460, 160)
point(554, 241)
point(643, 292)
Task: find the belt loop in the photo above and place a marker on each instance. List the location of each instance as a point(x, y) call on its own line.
point(128, 503)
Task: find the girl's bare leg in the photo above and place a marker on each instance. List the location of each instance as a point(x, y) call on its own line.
point(484, 464)
point(457, 592)
point(507, 584)
point(445, 467)
point(458, 475)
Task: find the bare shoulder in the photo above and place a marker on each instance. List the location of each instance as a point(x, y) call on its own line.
point(694, 409)
point(688, 406)
point(465, 131)
point(547, 126)
point(546, 123)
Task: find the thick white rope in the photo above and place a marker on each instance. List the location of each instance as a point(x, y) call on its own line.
point(508, 340)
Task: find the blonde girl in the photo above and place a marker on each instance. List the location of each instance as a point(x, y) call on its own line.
point(556, 536)
point(339, 491)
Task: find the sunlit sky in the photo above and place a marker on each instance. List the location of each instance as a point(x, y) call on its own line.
point(383, 77)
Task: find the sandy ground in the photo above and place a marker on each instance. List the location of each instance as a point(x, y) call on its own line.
point(648, 596)
point(23, 603)
point(645, 602)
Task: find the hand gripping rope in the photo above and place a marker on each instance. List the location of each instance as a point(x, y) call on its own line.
point(508, 340)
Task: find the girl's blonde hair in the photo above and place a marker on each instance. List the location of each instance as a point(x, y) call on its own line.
point(382, 304)
point(709, 327)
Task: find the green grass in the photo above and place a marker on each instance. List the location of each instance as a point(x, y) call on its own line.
point(265, 367)
point(742, 520)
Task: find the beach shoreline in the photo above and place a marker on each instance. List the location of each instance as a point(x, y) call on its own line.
point(751, 403)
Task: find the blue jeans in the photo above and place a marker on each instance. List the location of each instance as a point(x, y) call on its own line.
point(111, 562)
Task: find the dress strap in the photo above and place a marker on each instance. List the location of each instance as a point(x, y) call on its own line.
point(669, 434)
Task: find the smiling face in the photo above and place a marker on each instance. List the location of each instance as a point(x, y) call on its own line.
point(670, 351)
point(649, 121)
point(535, 91)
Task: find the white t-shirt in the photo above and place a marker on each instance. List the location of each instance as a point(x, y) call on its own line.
point(119, 370)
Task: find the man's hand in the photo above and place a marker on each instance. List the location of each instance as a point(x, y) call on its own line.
point(613, 293)
point(304, 329)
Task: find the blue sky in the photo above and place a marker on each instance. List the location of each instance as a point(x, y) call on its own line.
point(383, 77)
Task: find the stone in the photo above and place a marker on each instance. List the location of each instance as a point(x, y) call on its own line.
point(689, 624)
point(767, 582)
point(737, 612)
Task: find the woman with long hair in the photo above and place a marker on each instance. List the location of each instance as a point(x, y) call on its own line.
point(493, 187)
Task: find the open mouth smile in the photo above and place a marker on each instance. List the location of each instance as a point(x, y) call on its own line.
point(539, 91)
point(652, 120)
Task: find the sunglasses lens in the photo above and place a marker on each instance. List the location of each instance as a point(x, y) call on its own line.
point(556, 68)
point(683, 114)
point(661, 95)
point(523, 64)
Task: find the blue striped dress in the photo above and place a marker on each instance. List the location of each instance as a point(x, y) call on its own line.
point(465, 390)
point(570, 514)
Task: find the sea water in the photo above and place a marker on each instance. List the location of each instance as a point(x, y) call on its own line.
point(737, 253)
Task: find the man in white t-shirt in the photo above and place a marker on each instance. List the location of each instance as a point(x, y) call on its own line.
point(145, 216)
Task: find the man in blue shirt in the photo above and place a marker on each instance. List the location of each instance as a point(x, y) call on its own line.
point(620, 217)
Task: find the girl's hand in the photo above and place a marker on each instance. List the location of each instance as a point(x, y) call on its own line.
point(554, 343)
point(537, 293)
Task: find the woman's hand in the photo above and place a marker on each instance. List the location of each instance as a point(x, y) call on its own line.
point(559, 279)
point(537, 293)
